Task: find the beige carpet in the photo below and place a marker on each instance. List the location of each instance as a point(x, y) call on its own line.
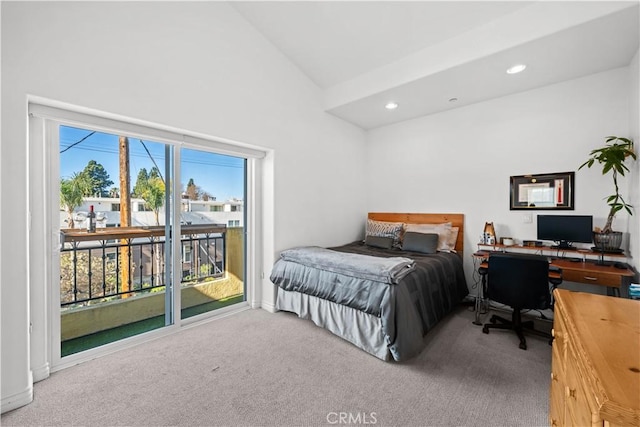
point(260, 369)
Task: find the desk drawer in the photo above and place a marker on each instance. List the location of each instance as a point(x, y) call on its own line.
point(595, 278)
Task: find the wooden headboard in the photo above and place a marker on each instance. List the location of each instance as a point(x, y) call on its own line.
point(456, 220)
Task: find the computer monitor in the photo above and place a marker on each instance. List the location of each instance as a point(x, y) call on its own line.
point(565, 229)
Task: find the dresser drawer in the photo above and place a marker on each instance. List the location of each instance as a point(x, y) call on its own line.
point(557, 393)
point(595, 278)
point(559, 333)
point(557, 404)
point(593, 380)
point(579, 405)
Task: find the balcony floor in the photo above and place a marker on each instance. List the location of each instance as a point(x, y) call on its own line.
point(97, 339)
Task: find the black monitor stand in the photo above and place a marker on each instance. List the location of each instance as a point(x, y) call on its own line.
point(602, 251)
point(563, 244)
point(601, 261)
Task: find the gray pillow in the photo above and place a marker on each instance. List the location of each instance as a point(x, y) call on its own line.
point(420, 242)
point(379, 242)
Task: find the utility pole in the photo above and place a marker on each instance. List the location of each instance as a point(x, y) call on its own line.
point(125, 214)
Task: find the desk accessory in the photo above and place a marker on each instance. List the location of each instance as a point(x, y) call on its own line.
point(489, 234)
point(507, 241)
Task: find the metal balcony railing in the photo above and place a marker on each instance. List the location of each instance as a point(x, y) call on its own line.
point(120, 262)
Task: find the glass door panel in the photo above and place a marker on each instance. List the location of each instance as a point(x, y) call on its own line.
point(212, 217)
point(113, 197)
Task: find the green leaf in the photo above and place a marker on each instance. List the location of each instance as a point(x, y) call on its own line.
point(612, 157)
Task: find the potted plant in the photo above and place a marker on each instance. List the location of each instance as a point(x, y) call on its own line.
point(612, 157)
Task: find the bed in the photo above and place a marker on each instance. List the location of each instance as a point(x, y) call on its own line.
point(382, 294)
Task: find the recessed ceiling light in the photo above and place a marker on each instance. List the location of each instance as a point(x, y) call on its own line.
point(516, 69)
point(391, 106)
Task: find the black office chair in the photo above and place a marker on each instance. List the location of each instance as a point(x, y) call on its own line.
point(522, 282)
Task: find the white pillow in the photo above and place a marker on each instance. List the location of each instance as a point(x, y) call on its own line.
point(442, 230)
point(453, 238)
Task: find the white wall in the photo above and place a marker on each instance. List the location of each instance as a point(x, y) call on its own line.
point(196, 66)
point(461, 160)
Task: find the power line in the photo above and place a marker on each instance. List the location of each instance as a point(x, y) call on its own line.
point(153, 160)
point(184, 160)
point(78, 142)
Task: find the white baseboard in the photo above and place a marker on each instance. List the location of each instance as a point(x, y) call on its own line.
point(271, 308)
point(15, 401)
point(41, 372)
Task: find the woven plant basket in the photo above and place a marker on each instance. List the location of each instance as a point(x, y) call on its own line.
point(608, 242)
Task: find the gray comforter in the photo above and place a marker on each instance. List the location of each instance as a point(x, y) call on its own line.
point(408, 305)
point(387, 270)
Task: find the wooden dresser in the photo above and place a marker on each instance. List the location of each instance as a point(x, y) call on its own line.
point(595, 368)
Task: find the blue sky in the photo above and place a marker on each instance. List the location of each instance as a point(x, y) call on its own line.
point(221, 176)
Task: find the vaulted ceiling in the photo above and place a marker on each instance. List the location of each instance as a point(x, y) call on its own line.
point(432, 56)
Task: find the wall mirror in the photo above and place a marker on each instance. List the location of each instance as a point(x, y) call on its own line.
point(542, 191)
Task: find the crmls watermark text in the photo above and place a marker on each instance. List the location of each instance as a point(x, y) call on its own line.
point(352, 418)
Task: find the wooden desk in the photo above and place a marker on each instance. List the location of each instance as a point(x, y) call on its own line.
point(593, 274)
point(615, 279)
point(595, 365)
point(586, 271)
point(551, 251)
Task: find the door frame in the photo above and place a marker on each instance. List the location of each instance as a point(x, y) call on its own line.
point(44, 263)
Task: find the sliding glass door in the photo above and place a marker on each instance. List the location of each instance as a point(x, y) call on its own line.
point(136, 229)
point(116, 222)
point(114, 229)
point(212, 217)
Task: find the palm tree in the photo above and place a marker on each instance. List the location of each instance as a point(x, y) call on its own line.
point(71, 194)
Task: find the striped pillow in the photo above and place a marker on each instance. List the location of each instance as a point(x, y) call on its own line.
point(384, 229)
